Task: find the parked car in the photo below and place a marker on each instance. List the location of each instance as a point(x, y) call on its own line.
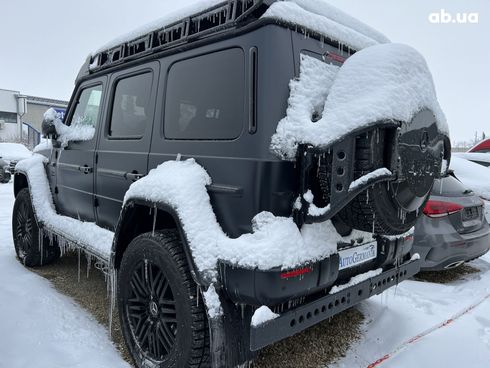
point(10, 154)
point(4, 171)
point(453, 229)
point(481, 147)
point(204, 93)
point(481, 158)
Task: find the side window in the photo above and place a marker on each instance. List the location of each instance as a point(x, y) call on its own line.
point(130, 106)
point(205, 97)
point(87, 108)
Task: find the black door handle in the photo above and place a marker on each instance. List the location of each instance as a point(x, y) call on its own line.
point(85, 169)
point(133, 176)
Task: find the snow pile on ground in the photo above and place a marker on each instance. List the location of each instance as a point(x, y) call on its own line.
point(79, 130)
point(382, 82)
point(95, 239)
point(316, 15)
point(423, 324)
point(475, 176)
point(320, 17)
point(263, 315)
point(14, 151)
point(275, 241)
point(38, 326)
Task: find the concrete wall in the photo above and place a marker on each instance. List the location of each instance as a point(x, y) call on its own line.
point(34, 115)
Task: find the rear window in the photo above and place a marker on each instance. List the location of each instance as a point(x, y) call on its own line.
point(205, 97)
point(448, 186)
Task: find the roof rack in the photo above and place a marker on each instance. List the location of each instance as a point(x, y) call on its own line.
point(228, 14)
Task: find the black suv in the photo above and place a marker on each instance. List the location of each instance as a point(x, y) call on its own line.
point(213, 86)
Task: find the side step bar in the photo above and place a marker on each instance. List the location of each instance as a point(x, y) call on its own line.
point(301, 318)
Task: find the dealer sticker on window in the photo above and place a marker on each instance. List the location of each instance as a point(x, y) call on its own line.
point(357, 255)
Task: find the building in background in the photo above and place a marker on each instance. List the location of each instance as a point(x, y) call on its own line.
point(21, 116)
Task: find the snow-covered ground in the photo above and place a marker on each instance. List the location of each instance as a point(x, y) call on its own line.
point(38, 326)
point(416, 308)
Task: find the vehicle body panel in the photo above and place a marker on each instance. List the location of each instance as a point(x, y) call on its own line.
point(449, 240)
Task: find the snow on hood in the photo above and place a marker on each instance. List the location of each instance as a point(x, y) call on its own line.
point(320, 17)
point(316, 15)
point(14, 151)
point(77, 131)
point(382, 82)
point(274, 242)
point(475, 176)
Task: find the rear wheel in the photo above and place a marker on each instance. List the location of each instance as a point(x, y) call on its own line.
point(163, 322)
point(32, 250)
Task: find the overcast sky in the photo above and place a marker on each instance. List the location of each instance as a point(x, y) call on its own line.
point(43, 44)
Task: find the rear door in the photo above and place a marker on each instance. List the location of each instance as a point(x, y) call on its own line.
point(74, 190)
point(122, 155)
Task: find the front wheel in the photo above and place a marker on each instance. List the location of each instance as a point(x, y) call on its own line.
point(31, 248)
point(163, 322)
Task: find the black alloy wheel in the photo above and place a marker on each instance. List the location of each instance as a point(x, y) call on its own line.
point(163, 319)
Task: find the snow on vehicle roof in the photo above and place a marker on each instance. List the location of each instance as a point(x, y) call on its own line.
point(475, 176)
point(316, 15)
point(14, 151)
point(320, 17)
point(474, 156)
point(382, 82)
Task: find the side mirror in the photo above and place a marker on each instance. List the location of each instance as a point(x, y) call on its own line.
point(49, 128)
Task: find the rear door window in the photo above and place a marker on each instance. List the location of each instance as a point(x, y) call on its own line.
point(130, 107)
point(205, 97)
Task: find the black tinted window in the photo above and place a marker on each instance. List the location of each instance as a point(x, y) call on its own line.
point(131, 106)
point(205, 97)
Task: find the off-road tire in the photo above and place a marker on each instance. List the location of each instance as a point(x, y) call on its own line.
point(375, 210)
point(25, 233)
point(150, 258)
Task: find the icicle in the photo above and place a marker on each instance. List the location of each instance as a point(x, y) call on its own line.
point(146, 270)
point(78, 264)
point(41, 245)
point(89, 263)
point(374, 220)
point(179, 157)
point(112, 301)
point(198, 292)
point(154, 220)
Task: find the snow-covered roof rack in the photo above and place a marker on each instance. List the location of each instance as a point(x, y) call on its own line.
point(224, 15)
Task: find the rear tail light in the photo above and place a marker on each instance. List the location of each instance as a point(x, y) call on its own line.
point(441, 209)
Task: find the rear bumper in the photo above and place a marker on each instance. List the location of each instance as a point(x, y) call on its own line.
point(442, 250)
point(305, 316)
